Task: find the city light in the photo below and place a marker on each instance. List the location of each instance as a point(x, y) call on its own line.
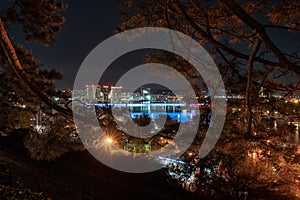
point(108, 140)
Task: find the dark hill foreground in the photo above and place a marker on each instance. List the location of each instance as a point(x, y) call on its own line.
point(77, 175)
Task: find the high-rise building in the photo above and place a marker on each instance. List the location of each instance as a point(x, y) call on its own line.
point(116, 93)
point(92, 92)
point(146, 93)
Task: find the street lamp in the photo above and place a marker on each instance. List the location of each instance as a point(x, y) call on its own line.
point(108, 140)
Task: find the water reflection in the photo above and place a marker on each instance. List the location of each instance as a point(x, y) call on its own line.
point(180, 114)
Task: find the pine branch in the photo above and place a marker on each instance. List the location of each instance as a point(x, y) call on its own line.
point(17, 67)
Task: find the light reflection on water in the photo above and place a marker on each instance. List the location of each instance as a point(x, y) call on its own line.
point(178, 116)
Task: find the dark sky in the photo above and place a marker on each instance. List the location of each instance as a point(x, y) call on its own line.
point(88, 24)
point(91, 22)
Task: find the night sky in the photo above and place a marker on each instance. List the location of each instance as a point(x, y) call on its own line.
point(93, 21)
point(87, 25)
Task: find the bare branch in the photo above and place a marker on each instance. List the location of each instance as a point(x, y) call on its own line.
point(260, 29)
point(218, 44)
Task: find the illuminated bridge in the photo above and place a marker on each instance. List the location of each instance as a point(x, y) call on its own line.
point(150, 104)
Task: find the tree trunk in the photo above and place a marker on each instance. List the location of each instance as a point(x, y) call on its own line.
point(17, 67)
point(249, 84)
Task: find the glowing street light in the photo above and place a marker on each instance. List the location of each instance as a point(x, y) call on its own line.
point(108, 140)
